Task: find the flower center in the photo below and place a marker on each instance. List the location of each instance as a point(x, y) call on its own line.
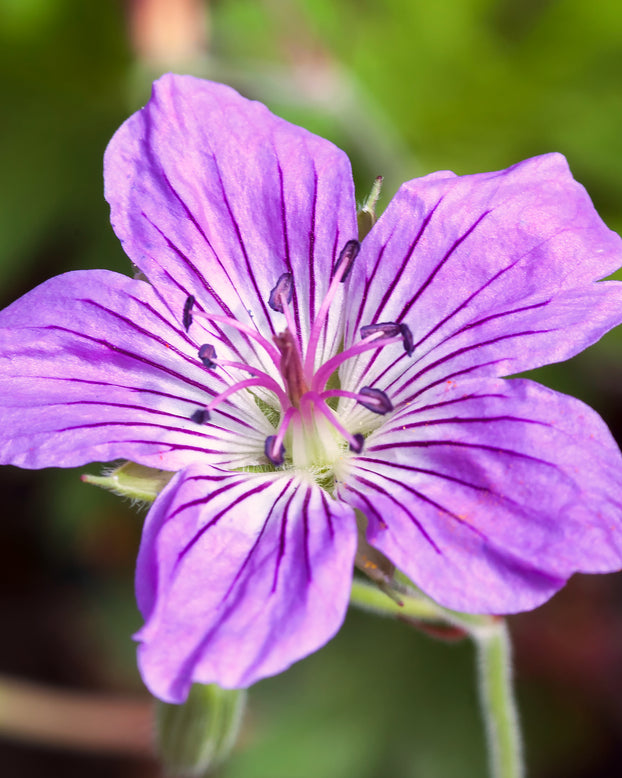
point(310, 433)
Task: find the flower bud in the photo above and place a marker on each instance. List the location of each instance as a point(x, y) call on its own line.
point(198, 735)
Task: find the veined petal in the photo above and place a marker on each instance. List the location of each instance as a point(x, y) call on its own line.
point(92, 368)
point(494, 274)
point(212, 195)
point(239, 575)
point(491, 495)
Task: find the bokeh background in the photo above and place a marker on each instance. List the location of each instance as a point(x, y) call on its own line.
point(405, 87)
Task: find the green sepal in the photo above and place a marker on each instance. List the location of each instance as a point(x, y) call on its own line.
point(131, 480)
point(198, 735)
point(366, 215)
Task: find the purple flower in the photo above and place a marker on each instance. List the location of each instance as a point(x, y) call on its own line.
point(297, 383)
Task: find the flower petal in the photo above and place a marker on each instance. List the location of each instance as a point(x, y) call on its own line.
point(491, 495)
point(239, 575)
point(214, 196)
point(494, 274)
point(92, 368)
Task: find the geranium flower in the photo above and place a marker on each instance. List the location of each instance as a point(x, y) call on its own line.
point(297, 385)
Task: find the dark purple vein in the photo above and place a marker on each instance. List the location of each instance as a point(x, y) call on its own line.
point(207, 287)
point(282, 541)
point(256, 543)
point(460, 444)
point(462, 420)
point(458, 242)
point(312, 229)
point(413, 519)
point(212, 522)
point(238, 233)
point(429, 501)
point(459, 352)
point(404, 262)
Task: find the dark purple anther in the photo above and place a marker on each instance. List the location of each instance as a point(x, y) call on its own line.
point(282, 291)
point(276, 457)
point(200, 416)
point(407, 337)
point(357, 444)
point(346, 259)
point(207, 355)
point(377, 401)
point(187, 317)
point(389, 329)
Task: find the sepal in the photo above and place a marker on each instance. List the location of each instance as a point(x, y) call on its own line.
point(131, 480)
point(366, 215)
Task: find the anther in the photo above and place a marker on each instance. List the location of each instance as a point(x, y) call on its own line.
point(356, 444)
point(187, 316)
point(390, 329)
point(376, 400)
point(200, 416)
point(275, 455)
point(346, 259)
point(387, 329)
point(207, 355)
point(281, 292)
point(407, 338)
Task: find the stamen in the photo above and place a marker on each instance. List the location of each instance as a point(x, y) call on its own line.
point(207, 355)
point(266, 382)
point(200, 416)
point(282, 293)
point(377, 401)
point(374, 400)
point(342, 268)
point(251, 333)
point(274, 448)
point(270, 383)
point(407, 338)
point(357, 444)
point(281, 297)
point(388, 329)
point(355, 441)
point(373, 341)
point(187, 315)
point(344, 263)
point(274, 451)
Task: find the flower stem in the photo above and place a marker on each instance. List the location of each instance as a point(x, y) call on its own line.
point(35, 713)
point(497, 701)
point(490, 635)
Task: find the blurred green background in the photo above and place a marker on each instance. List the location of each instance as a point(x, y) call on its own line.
point(405, 87)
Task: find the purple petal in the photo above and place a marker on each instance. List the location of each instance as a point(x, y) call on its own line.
point(92, 368)
point(214, 196)
point(239, 575)
point(494, 273)
point(493, 494)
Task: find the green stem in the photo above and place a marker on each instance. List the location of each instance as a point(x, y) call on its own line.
point(371, 598)
point(490, 635)
point(497, 701)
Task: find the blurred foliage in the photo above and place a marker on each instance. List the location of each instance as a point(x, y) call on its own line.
point(406, 87)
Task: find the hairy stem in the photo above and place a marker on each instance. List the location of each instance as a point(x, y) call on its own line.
point(497, 701)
